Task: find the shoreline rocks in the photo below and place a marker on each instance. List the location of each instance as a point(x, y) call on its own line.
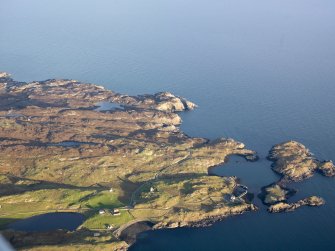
point(312, 201)
point(169, 102)
point(327, 168)
point(130, 232)
point(75, 94)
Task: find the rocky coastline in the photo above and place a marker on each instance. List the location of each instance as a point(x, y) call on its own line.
point(59, 152)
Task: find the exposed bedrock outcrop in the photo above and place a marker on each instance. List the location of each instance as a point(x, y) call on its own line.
point(312, 201)
point(169, 102)
point(202, 220)
point(295, 162)
point(275, 193)
point(74, 94)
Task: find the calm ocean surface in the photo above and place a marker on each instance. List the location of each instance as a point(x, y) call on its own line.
point(261, 71)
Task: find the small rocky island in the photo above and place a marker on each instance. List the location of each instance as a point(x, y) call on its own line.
point(313, 201)
point(127, 168)
point(294, 163)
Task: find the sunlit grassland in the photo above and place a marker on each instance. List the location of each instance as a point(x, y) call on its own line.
point(103, 199)
point(99, 221)
point(20, 206)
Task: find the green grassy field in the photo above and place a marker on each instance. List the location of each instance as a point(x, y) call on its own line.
point(98, 221)
point(104, 199)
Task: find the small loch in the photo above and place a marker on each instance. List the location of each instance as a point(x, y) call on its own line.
point(49, 222)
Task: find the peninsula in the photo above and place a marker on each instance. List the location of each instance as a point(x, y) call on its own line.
point(121, 161)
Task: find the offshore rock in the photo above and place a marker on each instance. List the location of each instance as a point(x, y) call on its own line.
point(312, 201)
point(295, 162)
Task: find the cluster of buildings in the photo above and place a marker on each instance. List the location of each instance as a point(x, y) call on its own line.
point(114, 212)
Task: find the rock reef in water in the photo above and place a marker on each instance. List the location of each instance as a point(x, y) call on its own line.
point(312, 201)
point(295, 162)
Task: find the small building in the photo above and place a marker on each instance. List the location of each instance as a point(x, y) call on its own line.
point(152, 189)
point(229, 198)
point(102, 211)
point(109, 227)
point(111, 190)
point(96, 234)
point(116, 212)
